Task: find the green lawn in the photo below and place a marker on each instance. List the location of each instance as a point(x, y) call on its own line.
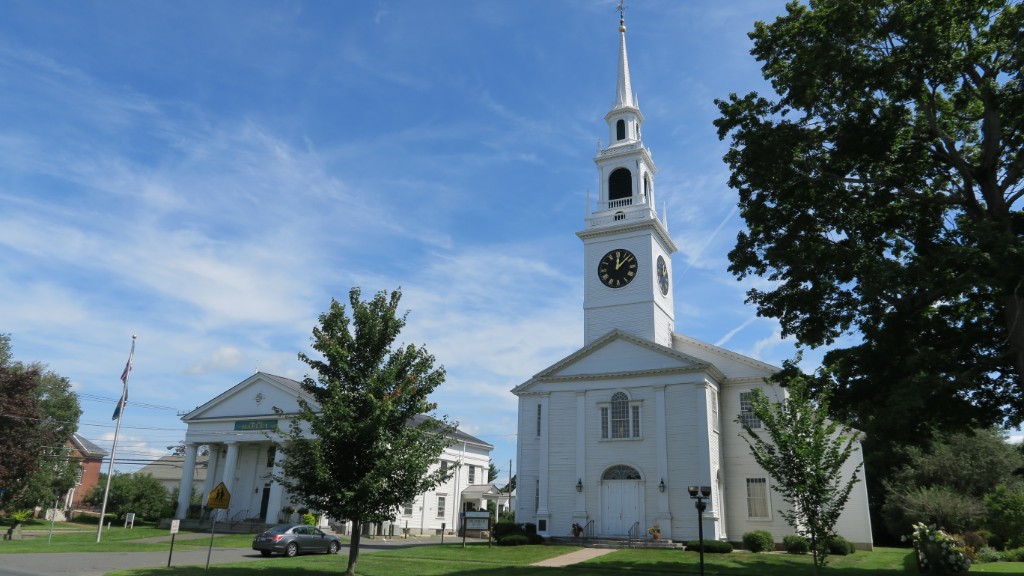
point(475, 559)
point(82, 538)
point(478, 560)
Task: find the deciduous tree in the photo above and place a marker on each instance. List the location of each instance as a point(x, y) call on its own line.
point(804, 453)
point(367, 445)
point(882, 192)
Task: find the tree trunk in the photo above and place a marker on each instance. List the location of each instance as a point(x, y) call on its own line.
point(353, 547)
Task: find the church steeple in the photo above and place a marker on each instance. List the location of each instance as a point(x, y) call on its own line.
point(627, 248)
point(623, 88)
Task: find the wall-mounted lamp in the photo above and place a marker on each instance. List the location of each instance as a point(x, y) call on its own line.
point(579, 485)
point(661, 485)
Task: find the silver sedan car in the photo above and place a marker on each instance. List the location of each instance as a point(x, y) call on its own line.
point(294, 539)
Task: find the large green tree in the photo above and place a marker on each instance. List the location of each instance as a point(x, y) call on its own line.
point(141, 494)
point(40, 414)
point(804, 453)
point(881, 187)
point(367, 445)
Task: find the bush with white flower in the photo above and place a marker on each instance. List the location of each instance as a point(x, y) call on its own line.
point(937, 551)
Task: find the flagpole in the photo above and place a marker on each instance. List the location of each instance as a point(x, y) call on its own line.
point(118, 413)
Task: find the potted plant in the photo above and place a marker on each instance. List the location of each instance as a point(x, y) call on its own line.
point(655, 532)
point(286, 514)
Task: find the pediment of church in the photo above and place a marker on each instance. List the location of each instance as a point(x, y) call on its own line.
point(619, 355)
point(254, 397)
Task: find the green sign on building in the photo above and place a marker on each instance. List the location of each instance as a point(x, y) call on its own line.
point(256, 425)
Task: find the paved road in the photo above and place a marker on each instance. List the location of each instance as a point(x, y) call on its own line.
point(100, 563)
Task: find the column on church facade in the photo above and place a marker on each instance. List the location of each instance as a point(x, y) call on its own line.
point(580, 514)
point(664, 516)
point(542, 476)
point(276, 490)
point(188, 472)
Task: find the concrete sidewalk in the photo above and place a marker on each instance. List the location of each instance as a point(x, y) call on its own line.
point(573, 557)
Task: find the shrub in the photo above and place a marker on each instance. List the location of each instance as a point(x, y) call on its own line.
point(986, 554)
point(1005, 515)
point(759, 541)
point(309, 519)
point(839, 546)
point(1015, 555)
point(514, 540)
point(710, 546)
point(938, 551)
point(794, 544)
point(505, 530)
point(976, 540)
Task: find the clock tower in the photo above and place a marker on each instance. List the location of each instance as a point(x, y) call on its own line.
point(627, 251)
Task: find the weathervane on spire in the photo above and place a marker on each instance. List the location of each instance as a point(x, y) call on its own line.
point(622, 15)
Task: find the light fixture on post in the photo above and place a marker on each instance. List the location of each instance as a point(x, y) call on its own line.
point(661, 485)
point(579, 485)
point(700, 493)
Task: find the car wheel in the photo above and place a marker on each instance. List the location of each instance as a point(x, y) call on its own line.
point(265, 552)
point(333, 548)
point(291, 550)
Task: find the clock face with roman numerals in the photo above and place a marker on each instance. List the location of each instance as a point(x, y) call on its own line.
point(617, 268)
point(663, 275)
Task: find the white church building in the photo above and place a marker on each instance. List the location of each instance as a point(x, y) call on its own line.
point(611, 436)
point(239, 428)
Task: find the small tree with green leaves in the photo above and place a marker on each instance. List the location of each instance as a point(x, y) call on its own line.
point(804, 453)
point(367, 445)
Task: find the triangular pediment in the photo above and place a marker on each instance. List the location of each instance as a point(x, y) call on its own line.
point(620, 355)
point(254, 397)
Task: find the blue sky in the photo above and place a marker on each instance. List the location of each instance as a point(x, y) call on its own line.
point(208, 175)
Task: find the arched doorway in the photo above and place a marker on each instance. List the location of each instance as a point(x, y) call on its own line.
point(620, 500)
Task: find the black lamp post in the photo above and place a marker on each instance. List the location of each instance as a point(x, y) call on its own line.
point(700, 493)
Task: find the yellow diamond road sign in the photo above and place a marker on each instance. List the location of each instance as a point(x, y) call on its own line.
point(219, 497)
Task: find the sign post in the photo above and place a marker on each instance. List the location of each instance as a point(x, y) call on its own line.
point(174, 530)
point(219, 499)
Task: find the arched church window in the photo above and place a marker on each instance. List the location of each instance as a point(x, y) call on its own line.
point(620, 130)
point(621, 472)
point(620, 215)
point(620, 418)
point(620, 185)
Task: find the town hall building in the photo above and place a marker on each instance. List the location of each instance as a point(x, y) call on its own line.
point(611, 437)
point(239, 428)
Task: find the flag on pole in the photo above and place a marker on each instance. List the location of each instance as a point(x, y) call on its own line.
point(124, 380)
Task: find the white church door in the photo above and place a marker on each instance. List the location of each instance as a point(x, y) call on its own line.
point(620, 500)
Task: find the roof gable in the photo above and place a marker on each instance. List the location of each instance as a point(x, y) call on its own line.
point(619, 354)
point(255, 396)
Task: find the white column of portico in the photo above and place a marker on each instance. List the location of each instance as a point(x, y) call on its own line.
point(187, 473)
point(211, 472)
point(276, 489)
point(229, 468)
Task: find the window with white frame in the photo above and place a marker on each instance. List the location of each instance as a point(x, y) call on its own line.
point(407, 509)
point(538, 420)
point(620, 418)
point(714, 410)
point(747, 417)
point(441, 501)
point(757, 499)
point(472, 474)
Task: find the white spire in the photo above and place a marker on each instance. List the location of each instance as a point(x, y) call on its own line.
point(623, 89)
